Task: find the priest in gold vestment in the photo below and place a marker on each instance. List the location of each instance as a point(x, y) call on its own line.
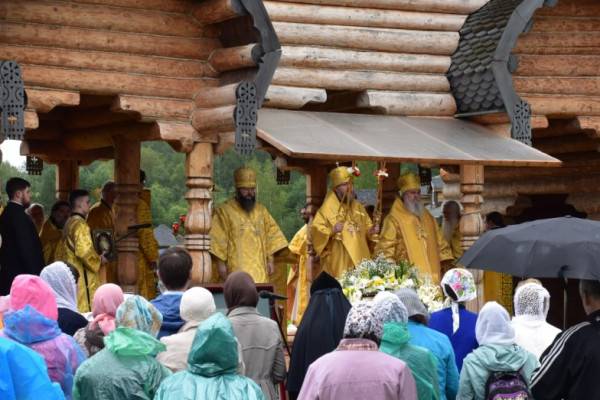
point(244, 236)
point(410, 232)
point(298, 279)
point(341, 229)
point(52, 229)
point(101, 217)
point(451, 211)
point(76, 247)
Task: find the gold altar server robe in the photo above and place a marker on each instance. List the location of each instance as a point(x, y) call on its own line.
point(76, 247)
point(404, 236)
point(101, 217)
point(455, 244)
point(148, 246)
point(298, 246)
point(340, 253)
point(49, 236)
point(245, 240)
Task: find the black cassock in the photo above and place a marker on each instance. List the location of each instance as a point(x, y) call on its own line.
point(320, 330)
point(21, 251)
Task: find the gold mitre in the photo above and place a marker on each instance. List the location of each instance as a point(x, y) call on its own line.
point(244, 177)
point(340, 175)
point(408, 181)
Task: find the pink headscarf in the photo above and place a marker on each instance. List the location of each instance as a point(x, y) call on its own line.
point(107, 299)
point(32, 290)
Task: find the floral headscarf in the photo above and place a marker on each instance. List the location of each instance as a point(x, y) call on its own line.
point(387, 307)
point(361, 322)
point(138, 313)
point(459, 286)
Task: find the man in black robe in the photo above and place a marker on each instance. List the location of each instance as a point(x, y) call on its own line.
point(21, 249)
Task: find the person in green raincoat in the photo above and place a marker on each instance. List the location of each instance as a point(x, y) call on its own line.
point(126, 368)
point(395, 340)
point(212, 368)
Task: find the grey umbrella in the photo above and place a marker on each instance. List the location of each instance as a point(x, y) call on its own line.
point(564, 247)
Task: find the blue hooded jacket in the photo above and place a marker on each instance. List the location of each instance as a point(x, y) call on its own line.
point(168, 305)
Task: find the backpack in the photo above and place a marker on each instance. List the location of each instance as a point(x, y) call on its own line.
point(507, 386)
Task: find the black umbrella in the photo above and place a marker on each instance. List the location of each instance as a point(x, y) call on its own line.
point(564, 247)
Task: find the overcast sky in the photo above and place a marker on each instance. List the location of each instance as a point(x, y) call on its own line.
point(10, 152)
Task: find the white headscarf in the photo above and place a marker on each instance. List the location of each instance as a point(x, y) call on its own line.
point(197, 304)
point(458, 286)
point(60, 278)
point(493, 325)
point(532, 302)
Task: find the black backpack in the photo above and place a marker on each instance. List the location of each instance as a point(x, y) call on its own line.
point(507, 386)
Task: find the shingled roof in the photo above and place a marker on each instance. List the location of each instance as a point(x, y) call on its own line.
point(480, 73)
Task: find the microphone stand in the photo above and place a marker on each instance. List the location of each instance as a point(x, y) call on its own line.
point(278, 320)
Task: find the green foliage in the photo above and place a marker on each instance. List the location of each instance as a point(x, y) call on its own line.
point(166, 178)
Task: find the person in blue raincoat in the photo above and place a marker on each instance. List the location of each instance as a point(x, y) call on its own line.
point(23, 374)
point(126, 368)
point(212, 371)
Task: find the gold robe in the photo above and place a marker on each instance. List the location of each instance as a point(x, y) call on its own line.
point(148, 246)
point(340, 253)
point(76, 248)
point(244, 241)
point(101, 217)
point(49, 236)
point(298, 276)
point(405, 236)
point(455, 244)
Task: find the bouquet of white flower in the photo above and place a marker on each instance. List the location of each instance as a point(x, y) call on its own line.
point(373, 276)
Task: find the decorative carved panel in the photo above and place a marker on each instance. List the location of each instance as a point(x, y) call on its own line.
point(246, 112)
point(34, 165)
point(12, 101)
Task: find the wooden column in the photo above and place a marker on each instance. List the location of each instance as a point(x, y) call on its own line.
point(127, 179)
point(316, 186)
point(199, 175)
point(67, 178)
point(390, 188)
point(471, 223)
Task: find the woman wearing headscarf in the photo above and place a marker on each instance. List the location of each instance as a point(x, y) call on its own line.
point(126, 368)
point(64, 285)
point(532, 332)
point(395, 342)
point(107, 300)
point(197, 304)
point(32, 321)
point(497, 352)
point(211, 371)
point(259, 336)
point(320, 330)
point(456, 321)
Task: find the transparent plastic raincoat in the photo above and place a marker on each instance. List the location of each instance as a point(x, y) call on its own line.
point(212, 368)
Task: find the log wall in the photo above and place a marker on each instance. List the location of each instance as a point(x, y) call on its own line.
point(386, 56)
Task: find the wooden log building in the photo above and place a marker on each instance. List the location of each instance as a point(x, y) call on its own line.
point(467, 85)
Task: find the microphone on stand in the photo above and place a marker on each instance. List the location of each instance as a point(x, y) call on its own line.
point(265, 294)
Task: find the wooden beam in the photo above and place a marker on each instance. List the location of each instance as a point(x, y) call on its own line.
point(93, 138)
point(558, 85)
point(566, 24)
point(572, 9)
point(232, 58)
point(43, 100)
point(217, 96)
point(448, 6)
point(367, 17)
point(293, 97)
point(94, 118)
point(403, 103)
point(107, 83)
point(226, 141)
point(392, 40)
point(534, 40)
point(108, 61)
point(592, 123)
point(558, 65)
point(221, 118)
point(57, 151)
point(324, 57)
point(563, 106)
point(107, 18)
point(45, 132)
point(154, 108)
point(89, 39)
point(213, 11)
point(175, 6)
point(32, 120)
point(360, 80)
point(573, 144)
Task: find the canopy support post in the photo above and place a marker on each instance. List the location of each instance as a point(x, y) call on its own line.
point(199, 175)
point(316, 186)
point(471, 223)
point(67, 178)
point(127, 179)
point(390, 187)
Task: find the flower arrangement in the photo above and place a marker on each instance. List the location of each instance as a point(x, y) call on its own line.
point(177, 226)
point(380, 274)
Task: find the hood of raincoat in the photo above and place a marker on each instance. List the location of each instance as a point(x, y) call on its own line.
point(28, 326)
point(214, 350)
point(125, 341)
point(395, 335)
point(497, 357)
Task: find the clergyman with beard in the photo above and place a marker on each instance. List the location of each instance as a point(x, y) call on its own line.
point(410, 232)
point(244, 236)
point(52, 229)
point(451, 211)
point(21, 251)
